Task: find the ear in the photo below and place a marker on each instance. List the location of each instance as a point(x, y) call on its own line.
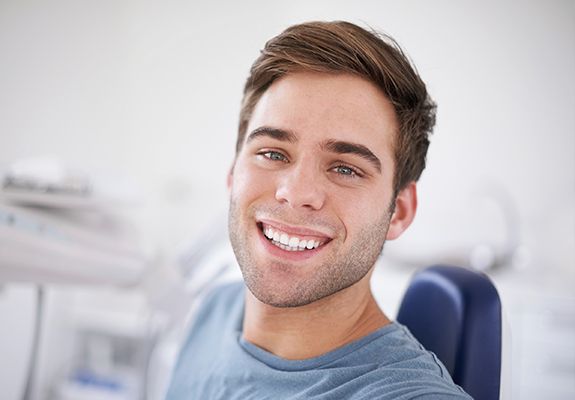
point(405, 207)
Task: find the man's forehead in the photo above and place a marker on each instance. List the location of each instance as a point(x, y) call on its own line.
point(335, 106)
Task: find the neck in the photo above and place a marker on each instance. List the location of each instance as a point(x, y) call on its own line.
point(308, 331)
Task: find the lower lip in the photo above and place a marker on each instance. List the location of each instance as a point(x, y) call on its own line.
point(286, 254)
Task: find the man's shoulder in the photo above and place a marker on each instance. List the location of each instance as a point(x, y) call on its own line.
point(218, 316)
point(219, 302)
point(407, 370)
point(224, 294)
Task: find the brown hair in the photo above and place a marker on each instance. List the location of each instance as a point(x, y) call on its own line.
point(342, 47)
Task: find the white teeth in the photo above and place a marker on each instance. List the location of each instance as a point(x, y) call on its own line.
point(289, 243)
point(284, 239)
point(293, 242)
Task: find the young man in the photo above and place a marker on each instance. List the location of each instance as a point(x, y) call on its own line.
point(332, 138)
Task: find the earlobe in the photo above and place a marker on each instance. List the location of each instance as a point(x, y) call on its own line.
point(405, 208)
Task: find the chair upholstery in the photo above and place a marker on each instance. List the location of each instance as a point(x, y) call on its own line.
point(456, 313)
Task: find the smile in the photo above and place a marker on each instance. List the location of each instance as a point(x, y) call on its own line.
point(291, 242)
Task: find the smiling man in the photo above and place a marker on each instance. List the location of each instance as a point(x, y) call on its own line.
point(332, 138)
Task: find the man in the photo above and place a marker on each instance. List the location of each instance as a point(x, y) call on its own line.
point(332, 137)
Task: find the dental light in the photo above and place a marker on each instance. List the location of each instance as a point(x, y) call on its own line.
point(56, 227)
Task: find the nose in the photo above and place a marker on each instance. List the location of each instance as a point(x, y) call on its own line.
point(301, 186)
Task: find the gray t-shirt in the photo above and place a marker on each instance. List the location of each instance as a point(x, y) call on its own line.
point(217, 363)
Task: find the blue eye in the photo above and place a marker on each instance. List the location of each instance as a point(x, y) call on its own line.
point(274, 156)
point(344, 170)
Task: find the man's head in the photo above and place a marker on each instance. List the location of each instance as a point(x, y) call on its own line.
point(321, 176)
point(342, 47)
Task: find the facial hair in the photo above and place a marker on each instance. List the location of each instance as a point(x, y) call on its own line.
point(346, 263)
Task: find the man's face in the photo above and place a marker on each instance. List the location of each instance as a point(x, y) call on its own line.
point(311, 188)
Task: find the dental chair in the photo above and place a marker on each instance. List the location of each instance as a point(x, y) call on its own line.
point(456, 313)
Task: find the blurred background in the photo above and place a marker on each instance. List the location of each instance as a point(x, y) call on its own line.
point(117, 129)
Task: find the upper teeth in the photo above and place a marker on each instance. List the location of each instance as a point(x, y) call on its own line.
point(288, 242)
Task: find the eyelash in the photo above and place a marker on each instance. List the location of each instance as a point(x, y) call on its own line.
point(353, 172)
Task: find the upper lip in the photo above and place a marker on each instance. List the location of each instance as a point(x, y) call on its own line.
point(296, 230)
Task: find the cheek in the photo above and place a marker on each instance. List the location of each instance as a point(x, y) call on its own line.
point(357, 212)
point(249, 183)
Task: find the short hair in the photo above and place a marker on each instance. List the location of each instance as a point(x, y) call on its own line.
point(342, 47)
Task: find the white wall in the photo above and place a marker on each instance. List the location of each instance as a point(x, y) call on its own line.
point(151, 89)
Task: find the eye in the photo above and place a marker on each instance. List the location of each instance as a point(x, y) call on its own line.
point(347, 171)
point(273, 155)
point(342, 169)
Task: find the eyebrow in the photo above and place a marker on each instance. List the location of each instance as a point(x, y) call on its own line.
point(274, 133)
point(341, 147)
